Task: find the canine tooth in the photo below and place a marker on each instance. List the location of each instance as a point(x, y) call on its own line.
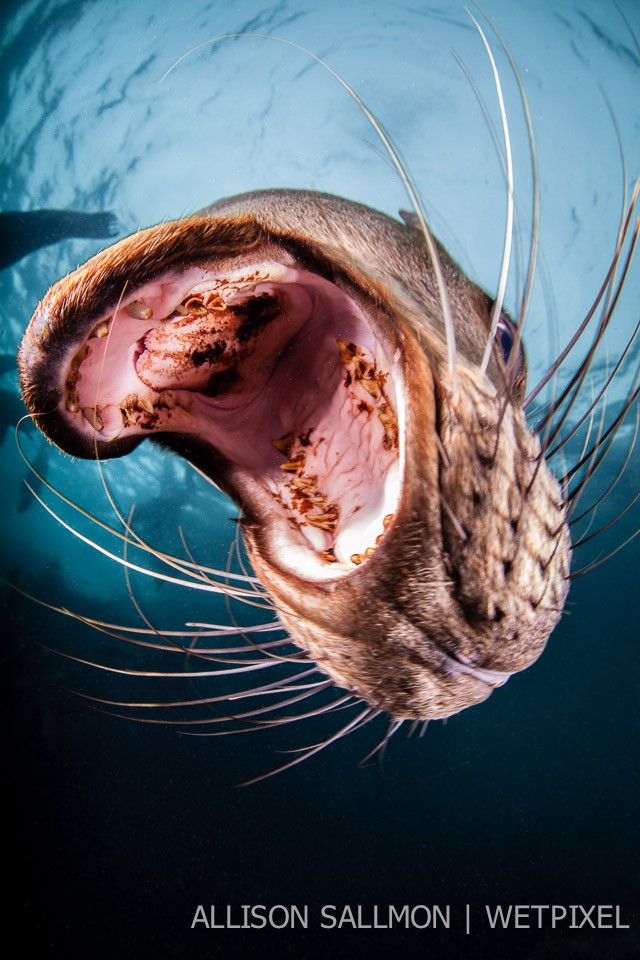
point(145, 404)
point(138, 311)
point(92, 416)
point(72, 406)
point(100, 330)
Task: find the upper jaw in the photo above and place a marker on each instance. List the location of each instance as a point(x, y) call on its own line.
point(285, 387)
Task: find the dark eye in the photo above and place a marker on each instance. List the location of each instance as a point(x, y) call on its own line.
point(506, 338)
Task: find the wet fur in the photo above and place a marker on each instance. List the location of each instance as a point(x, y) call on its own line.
point(471, 578)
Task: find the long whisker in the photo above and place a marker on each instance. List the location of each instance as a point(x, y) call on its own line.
point(368, 714)
point(611, 487)
point(398, 164)
point(504, 271)
point(535, 215)
point(590, 313)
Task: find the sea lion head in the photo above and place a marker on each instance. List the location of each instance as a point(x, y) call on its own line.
point(292, 346)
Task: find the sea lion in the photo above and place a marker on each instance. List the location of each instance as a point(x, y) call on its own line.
point(292, 345)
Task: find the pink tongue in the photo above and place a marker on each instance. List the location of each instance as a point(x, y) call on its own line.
point(184, 354)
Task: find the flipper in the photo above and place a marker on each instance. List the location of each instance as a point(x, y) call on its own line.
point(22, 232)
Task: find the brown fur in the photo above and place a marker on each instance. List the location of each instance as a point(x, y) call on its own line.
point(472, 575)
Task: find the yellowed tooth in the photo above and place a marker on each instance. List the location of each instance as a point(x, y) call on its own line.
point(284, 444)
point(362, 368)
point(81, 355)
point(137, 310)
point(372, 387)
point(128, 416)
point(294, 466)
point(195, 306)
point(328, 556)
point(326, 521)
point(145, 403)
point(167, 400)
point(386, 414)
point(100, 330)
point(387, 521)
point(357, 558)
point(347, 350)
point(92, 416)
point(303, 483)
point(72, 405)
point(369, 552)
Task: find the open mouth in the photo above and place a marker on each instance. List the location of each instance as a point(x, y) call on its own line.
point(290, 395)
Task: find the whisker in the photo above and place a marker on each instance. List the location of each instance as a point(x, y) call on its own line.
point(564, 353)
point(205, 701)
point(504, 271)
point(393, 728)
point(608, 381)
point(397, 163)
point(138, 543)
point(367, 715)
point(596, 563)
point(611, 487)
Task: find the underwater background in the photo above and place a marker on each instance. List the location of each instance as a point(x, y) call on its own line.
point(120, 829)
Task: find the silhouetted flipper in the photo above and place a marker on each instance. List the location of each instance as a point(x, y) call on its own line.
point(21, 232)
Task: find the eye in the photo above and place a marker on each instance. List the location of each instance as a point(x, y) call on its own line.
point(506, 337)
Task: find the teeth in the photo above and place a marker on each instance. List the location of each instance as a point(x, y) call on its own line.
point(303, 483)
point(100, 330)
point(357, 558)
point(387, 521)
point(362, 368)
point(294, 466)
point(72, 405)
point(284, 444)
point(326, 521)
point(166, 400)
point(81, 355)
point(347, 350)
point(195, 306)
point(146, 404)
point(138, 311)
point(372, 387)
point(92, 416)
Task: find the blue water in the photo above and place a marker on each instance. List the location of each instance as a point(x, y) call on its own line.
point(123, 829)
